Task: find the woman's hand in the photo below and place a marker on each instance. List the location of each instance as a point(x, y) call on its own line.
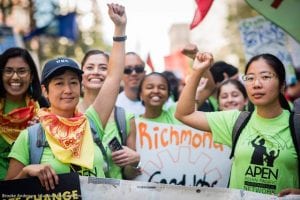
point(45, 174)
point(203, 61)
point(125, 156)
point(202, 83)
point(289, 191)
point(190, 50)
point(117, 14)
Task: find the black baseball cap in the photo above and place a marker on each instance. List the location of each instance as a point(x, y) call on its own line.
point(53, 65)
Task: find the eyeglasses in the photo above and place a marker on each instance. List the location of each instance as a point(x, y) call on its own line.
point(21, 72)
point(263, 77)
point(137, 68)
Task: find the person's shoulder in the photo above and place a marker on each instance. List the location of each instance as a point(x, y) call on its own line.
point(121, 94)
point(286, 113)
point(121, 98)
point(89, 110)
point(23, 138)
point(228, 114)
point(129, 115)
point(91, 114)
point(24, 132)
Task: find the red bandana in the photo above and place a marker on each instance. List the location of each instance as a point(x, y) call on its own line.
point(16, 120)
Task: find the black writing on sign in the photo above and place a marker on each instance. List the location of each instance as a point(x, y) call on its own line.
point(182, 181)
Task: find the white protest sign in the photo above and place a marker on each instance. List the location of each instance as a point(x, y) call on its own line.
point(72, 186)
point(181, 155)
point(99, 188)
point(294, 48)
point(260, 35)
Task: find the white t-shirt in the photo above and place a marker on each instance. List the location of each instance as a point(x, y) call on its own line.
point(135, 107)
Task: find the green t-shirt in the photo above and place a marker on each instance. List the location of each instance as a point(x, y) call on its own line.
point(167, 116)
point(10, 105)
point(20, 152)
point(265, 159)
point(214, 103)
point(107, 135)
point(4, 160)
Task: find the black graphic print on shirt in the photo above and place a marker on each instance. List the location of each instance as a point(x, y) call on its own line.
point(260, 155)
point(261, 175)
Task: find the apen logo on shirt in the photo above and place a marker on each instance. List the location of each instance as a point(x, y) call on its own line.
point(260, 175)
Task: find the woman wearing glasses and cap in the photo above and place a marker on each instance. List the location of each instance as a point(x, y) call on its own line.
point(68, 132)
point(265, 159)
point(94, 65)
point(19, 98)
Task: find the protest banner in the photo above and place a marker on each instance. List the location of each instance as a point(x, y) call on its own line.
point(259, 35)
point(181, 155)
point(93, 188)
point(283, 13)
point(31, 189)
point(294, 49)
point(97, 188)
point(71, 186)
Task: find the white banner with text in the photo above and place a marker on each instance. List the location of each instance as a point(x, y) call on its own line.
point(181, 155)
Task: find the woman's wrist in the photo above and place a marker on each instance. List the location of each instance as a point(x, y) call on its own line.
point(137, 162)
point(24, 173)
point(119, 31)
point(120, 38)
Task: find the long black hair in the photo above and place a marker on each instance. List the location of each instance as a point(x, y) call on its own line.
point(279, 69)
point(174, 84)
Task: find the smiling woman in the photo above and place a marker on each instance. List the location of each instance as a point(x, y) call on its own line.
point(71, 147)
point(18, 103)
point(232, 94)
point(154, 91)
point(94, 65)
point(265, 155)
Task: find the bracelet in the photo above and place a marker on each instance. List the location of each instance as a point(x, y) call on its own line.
point(119, 38)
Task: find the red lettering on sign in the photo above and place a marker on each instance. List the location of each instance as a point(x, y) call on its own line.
point(164, 136)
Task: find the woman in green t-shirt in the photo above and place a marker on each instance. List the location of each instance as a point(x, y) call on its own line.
point(231, 95)
point(154, 91)
point(265, 159)
point(94, 66)
point(68, 132)
point(20, 98)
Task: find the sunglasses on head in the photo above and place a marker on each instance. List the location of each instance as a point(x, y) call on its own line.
point(137, 68)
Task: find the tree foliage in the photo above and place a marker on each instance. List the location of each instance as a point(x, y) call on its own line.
point(47, 47)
